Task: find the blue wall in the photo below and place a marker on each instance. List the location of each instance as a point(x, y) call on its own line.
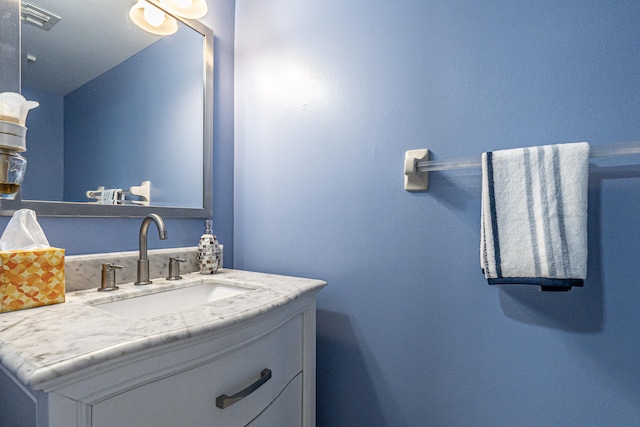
point(45, 147)
point(110, 141)
point(329, 94)
point(92, 235)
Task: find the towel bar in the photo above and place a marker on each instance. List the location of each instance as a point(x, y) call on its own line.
point(417, 164)
point(143, 191)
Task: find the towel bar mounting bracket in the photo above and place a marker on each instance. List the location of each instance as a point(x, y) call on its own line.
point(414, 180)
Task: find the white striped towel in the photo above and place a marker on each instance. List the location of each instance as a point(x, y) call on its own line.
point(534, 216)
point(109, 196)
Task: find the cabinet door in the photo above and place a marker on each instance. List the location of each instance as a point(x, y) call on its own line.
point(189, 398)
point(285, 411)
point(17, 408)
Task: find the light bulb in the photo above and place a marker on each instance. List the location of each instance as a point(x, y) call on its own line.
point(183, 4)
point(190, 9)
point(152, 19)
point(153, 15)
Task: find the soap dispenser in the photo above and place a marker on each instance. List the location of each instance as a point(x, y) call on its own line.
point(208, 255)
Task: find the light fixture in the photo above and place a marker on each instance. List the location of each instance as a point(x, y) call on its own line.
point(152, 19)
point(190, 9)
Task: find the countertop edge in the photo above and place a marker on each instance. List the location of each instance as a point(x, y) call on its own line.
point(48, 373)
point(36, 377)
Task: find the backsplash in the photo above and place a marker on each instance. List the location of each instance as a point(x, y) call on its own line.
point(85, 271)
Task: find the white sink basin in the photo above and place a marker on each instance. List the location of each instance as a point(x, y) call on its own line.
point(156, 304)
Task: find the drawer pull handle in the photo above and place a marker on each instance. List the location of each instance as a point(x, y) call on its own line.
point(224, 401)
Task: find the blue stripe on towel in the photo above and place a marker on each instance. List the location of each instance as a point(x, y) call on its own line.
point(484, 251)
point(494, 218)
point(546, 284)
point(546, 222)
point(566, 261)
point(530, 211)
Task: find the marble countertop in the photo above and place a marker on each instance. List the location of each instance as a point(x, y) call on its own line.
point(44, 343)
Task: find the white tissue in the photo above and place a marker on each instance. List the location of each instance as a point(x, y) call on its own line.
point(14, 107)
point(23, 232)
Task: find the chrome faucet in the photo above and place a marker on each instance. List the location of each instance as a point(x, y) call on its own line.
point(143, 261)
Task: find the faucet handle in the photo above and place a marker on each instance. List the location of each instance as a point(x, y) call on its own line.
point(174, 268)
point(109, 277)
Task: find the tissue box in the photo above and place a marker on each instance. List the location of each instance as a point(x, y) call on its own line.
point(31, 278)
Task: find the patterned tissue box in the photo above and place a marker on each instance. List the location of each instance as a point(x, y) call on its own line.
point(31, 278)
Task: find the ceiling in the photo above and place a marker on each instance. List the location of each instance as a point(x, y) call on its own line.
point(91, 37)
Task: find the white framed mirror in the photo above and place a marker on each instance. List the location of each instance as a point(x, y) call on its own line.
point(119, 108)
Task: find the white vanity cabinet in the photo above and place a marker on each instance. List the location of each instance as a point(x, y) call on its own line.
point(188, 397)
point(271, 357)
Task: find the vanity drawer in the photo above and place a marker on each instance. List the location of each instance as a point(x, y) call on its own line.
point(188, 398)
point(285, 410)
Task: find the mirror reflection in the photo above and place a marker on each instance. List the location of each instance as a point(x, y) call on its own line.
point(121, 110)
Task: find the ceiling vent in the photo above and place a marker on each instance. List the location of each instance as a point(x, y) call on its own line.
point(38, 17)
